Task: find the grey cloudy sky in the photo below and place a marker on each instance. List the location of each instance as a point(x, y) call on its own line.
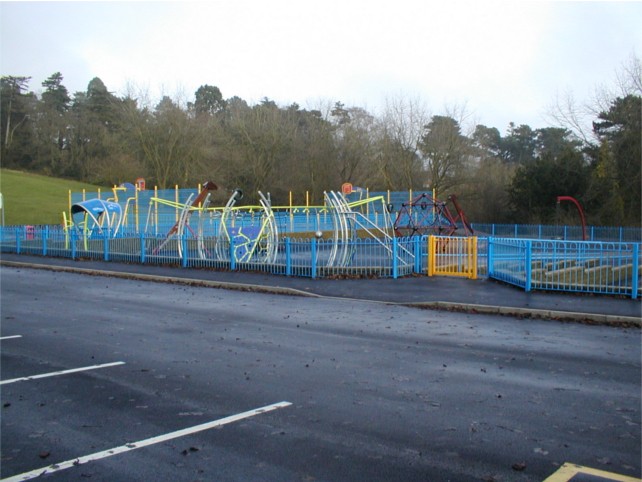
point(505, 60)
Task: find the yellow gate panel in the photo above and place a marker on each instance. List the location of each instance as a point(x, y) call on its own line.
point(451, 256)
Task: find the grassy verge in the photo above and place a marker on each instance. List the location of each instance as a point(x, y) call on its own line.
point(33, 199)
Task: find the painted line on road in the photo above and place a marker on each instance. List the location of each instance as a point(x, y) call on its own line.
point(10, 337)
point(144, 443)
point(567, 473)
point(62, 372)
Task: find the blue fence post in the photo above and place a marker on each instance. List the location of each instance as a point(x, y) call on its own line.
point(395, 261)
point(142, 248)
point(184, 250)
point(106, 244)
point(232, 256)
point(621, 234)
point(418, 254)
point(288, 259)
point(45, 238)
point(636, 268)
point(529, 264)
point(18, 239)
point(73, 243)
point(490, 259)
point(313, 267)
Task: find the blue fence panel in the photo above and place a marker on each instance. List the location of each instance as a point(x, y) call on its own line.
point(585, 266)
point(570, 266)
point(560, 232)
point(545, 264)
point(507, 260)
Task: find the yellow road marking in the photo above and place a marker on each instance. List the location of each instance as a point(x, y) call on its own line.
point(567, 471)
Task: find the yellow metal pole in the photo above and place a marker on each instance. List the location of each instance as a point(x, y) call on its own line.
point(434, 200)
point(474, 250)
point(65, 229)
point(176, 199)
point(136, 207)
point(291, 214)
point(156, 210)
point(98, 193)
point(83, 194)
point(368, 205)
point(431, 255)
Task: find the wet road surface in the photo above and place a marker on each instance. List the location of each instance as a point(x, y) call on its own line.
point(377, 392)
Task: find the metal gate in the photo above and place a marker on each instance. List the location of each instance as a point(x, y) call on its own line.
point(451, 256)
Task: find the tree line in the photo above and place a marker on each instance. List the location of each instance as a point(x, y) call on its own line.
point(515, 176)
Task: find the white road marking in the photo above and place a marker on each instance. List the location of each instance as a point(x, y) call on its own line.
point(144, 443)
point(10, 337)
point(62, 372)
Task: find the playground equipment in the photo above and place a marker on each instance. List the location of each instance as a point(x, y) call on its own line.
point(251, 236)
point(348, 224)
point(96, 215)
point(427, 215)
point(579, 210)
point(250, 233)
point(198, 203)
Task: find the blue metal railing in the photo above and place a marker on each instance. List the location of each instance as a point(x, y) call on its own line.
point(532, 264)
point(570, 266)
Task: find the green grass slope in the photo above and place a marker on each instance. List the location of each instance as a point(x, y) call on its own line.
point(33, 199)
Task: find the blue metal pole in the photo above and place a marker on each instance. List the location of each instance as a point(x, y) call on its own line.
point(529, 265)
point(288, 258)
point(184, 250)
point(395, 262)
point(490, 261)
point(636, 273)
point(142, 248)
point(417, 252)
point(232, 256)
point(73, 243)
point(18, 239)
point(106, 244)
point(313, 267)
point(45, 239)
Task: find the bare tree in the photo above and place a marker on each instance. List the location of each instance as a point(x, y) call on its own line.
point(401, 127)
point(567, 112)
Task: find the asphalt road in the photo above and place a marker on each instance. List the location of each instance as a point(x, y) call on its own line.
point(377, 392)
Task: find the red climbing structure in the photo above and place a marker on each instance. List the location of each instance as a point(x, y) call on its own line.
point(425, 215)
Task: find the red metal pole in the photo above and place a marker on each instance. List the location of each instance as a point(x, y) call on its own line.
point(579, 209)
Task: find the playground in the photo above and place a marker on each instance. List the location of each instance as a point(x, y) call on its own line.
point(354, 233)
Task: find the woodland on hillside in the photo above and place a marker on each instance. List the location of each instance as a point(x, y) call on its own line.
point(512, 176)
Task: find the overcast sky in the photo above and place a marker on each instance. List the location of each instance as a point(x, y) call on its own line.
point(505, 60)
